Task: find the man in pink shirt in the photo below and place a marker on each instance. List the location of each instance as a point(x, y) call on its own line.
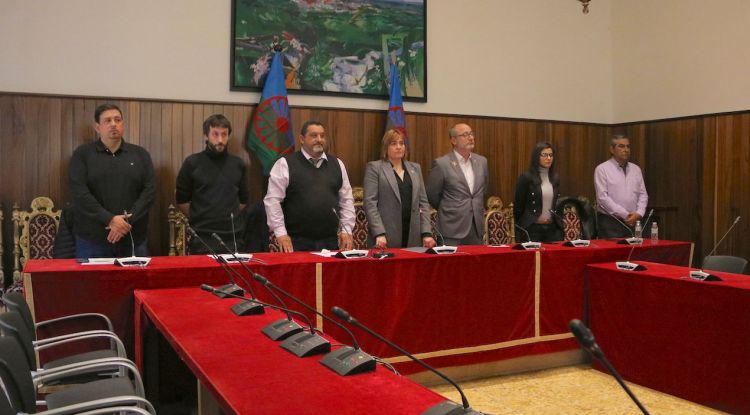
point(620, 192)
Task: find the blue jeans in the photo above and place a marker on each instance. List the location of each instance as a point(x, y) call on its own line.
point(86, 249)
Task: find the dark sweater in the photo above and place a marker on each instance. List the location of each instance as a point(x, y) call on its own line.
point(106, 184)
point(214, 185)
point(311, 197)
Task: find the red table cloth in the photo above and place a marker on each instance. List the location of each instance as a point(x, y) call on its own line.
point(248, 373)
point(668, 332)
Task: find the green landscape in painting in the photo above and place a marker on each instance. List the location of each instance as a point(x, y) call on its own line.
point(332, 46)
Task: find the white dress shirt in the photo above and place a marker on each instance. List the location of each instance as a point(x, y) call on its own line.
point(467, 169)
point(279, 181)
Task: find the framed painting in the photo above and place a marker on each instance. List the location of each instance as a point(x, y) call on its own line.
point(331, 47)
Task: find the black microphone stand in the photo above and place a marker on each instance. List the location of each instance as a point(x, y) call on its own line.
point(586, 338)
point(443, 408)
point(345, 360)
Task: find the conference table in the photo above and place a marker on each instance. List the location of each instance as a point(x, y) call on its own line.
point(664, 330)
point(248, 373)
point(481, 304)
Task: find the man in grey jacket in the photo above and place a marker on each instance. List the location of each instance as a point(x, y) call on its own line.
point(456, 187)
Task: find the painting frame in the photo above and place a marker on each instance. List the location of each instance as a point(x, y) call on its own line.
point(333, 47)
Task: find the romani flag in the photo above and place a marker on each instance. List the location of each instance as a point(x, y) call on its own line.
point(396, 118)
point(270, 134)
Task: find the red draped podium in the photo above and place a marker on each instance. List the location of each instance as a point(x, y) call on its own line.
point(479, 305)
point(247, 373)
point(665, 331)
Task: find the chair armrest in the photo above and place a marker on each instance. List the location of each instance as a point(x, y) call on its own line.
point(99, 404)
point(106, 319)
point(91, 367)
point(87, 335)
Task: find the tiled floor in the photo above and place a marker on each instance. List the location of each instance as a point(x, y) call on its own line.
point(568, 390)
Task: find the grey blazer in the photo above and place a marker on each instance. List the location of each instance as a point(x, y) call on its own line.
point(448, 192)
point(382, 203)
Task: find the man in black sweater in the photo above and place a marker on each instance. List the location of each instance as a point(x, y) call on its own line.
point(212, 189)
point(309, 202)
point(113, 188)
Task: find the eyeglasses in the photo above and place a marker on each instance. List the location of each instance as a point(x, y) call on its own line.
point(546, 155)
point(466, 134)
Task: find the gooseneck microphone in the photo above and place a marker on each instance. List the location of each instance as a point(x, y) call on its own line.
point(705, 276)
point(586, 339)
point(233, 287)
point(445, 407)
point(632, 240)
point(344, 360)
point(282, 329)
point(577, 243)
point(206, 287)
point(132, 260)
point(242, 264)
point(528, 244)
point(442, 248)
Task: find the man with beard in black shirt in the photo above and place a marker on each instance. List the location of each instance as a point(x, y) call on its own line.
point(212, 188)
point(113, 188)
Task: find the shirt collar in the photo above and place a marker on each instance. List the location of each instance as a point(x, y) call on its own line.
point(100, 147)
point(308, 157)
point(616, 164)
point(461, 158)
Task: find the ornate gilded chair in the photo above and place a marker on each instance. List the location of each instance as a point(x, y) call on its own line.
point(33, 234)
point(577, 215)
point(178, 238)
point(499, 224)
point(360, 231)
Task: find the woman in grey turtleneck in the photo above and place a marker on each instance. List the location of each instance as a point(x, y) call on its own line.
point(537, 191)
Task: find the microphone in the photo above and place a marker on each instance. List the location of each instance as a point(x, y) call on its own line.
point(293, 326)
point(132, 260)
point(526, 245)
point(577, 243)
point(648, 218)
point(247, 283)
point(704, 276)
point(224, 290)
point(352, 253)
point(282, 329)
point(586, 338)
point(631, 266)
point(632, 240)
point(344, 360)
point(445, 407)
point(443, 248)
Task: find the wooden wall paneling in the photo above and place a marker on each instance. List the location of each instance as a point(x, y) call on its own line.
point(675, 191)
point(733, 187)
point(6, 173)
point(707, 194)
point(39, 134)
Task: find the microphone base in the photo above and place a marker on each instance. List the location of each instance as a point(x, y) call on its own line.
point(281, 329)
point(442, 250)
point(347, 361)
point(631, 241)
point(352, 253)
point(578, 243)
point(133, 261)
point(229, 258)
point(379, 255)
point(248, 308)
point(528, 246)
point(306, 344)
point(226, 290)
point(629, 266)
point(449, 408)
point(703, 276)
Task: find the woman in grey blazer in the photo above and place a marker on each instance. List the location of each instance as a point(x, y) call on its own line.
point(395, 201)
